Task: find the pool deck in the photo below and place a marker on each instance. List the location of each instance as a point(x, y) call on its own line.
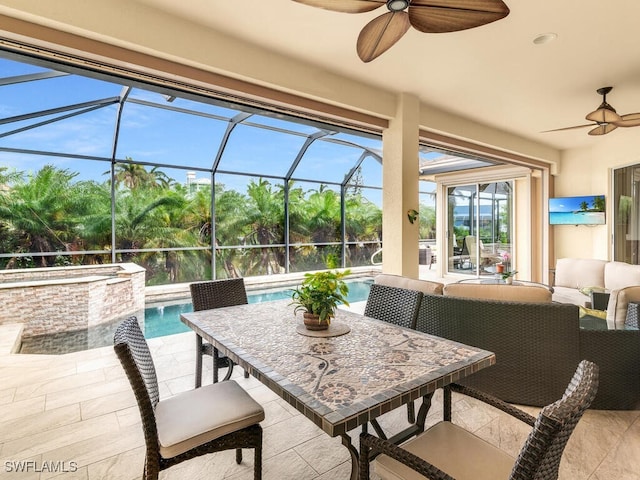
point(10, 335)
point(79, 407)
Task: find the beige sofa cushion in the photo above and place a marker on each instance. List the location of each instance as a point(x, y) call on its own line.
point(500, 292)
point(580, 272)
point(618, 304)
point(398, 281)
point(619, 275)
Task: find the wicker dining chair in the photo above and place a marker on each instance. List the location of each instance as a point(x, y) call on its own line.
point(398, 306)
point(206, 296)
point(393, 305)
point(220, 416)
point(449, 448)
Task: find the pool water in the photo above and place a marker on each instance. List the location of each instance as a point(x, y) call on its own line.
point(159, 320)
point(165, 319)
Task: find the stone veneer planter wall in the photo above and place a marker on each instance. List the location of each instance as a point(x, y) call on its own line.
point(60, 299)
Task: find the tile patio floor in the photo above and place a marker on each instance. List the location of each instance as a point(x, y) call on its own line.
point(79, 408)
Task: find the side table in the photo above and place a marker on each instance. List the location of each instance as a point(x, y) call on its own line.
point(599, 300)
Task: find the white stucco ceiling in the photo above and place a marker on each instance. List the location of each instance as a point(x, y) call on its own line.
point(494, 74)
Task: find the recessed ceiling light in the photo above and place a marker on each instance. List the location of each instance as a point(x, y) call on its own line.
point(545, 38)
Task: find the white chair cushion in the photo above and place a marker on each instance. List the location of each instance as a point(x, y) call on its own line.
point(453, 450)
point(198, 416)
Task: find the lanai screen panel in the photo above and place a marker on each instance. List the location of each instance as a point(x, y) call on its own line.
point(18, 88)
point(168, 132)
point(328, 161)
point(65, 136)
point(369, 172)
point(87, 134)
point(260, 151)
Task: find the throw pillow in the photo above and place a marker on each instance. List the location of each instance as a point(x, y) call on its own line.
point(593, 313)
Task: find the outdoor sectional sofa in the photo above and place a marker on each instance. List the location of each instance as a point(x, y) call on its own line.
point(537, 343)
point(575, 278)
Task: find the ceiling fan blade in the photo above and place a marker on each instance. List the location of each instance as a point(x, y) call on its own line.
point(441, 16)
point(569, 128)
point(380, 34)
point(603, 129)
point(629, 120)
point(346, 6)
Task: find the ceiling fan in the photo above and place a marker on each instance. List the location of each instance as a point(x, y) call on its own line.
point(429, 16)
point(605, 117)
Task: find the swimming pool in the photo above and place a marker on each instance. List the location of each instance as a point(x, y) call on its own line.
point(159, 320)
point(164, 320)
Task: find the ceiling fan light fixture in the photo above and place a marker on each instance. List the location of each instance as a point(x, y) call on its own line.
point(604, 114)
point(605, 117)
point(397, 5)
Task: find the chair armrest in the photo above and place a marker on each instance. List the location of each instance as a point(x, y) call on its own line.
point(494, 402)
point(378, 445)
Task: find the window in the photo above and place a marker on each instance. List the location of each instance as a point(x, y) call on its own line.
point(108, 170)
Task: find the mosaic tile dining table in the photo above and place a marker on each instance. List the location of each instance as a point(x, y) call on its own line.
point(338, 382)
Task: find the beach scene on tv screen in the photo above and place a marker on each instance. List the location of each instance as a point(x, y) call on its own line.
point(585, 210)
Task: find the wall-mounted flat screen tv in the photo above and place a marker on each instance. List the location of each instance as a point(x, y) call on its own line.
point(584, 210)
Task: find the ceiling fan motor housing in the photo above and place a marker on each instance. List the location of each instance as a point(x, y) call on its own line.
point(397, 5)
point(605, 113)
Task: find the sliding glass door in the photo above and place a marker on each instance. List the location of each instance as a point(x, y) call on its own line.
point(626, 214)
point(479, 232)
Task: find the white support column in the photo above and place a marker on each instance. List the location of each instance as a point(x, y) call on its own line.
point(400, 189)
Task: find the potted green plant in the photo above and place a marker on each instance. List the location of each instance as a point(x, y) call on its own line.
point(318, 296)
point(507, 276)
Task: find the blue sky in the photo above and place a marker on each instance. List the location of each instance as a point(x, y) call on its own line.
point(570, 204)
point(156, 135)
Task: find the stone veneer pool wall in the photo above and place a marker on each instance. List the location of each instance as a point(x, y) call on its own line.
point(61, 299)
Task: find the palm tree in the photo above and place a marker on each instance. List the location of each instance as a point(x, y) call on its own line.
point(130, 175)
point(44, 212)
point(141, 220)
point(264, 221)
point(231, 229)
point(364, 224)
point(427, 221)
point(321, 221)
point(197, 215)
point(323, 215)
point(159, 179)
point(8, 176)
